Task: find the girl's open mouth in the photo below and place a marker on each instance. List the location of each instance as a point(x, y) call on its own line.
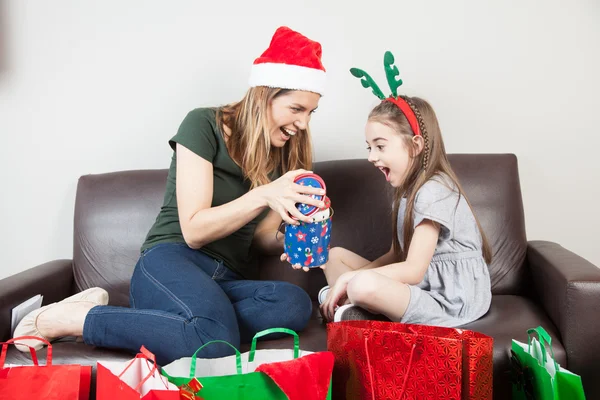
point(386, 172)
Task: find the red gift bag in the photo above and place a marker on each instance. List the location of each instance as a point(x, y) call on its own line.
point(136, 379)
point(389, 360)
point(50, 382)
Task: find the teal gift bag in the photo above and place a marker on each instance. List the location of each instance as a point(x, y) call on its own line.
point(537, 376)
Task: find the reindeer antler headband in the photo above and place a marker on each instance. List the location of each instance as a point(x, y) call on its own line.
point(391, 72)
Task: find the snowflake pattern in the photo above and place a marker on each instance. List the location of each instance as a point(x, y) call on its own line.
point(308, 244)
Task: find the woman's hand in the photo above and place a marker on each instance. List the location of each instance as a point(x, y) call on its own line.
point(337, 296)
point(284, 257)
point(282, 195)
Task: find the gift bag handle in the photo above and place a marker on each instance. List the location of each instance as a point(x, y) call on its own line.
point(238, 358)
point(274, 330)
point(545, 341)
point(410, 362)
point(31, 349)
point(148, 356)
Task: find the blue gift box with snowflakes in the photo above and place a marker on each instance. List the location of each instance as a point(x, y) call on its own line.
point(307, 244)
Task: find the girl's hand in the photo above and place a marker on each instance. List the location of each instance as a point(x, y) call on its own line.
point(284, 257)
point(282, 195)
point(337, 296)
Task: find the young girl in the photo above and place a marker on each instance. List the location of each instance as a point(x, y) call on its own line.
point(436, 271)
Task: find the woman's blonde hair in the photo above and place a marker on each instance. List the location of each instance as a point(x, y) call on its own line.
point(249, 144)
point(431, 161)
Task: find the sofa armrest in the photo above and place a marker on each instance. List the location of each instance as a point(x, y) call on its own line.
point(568, 287)
point(54, 280)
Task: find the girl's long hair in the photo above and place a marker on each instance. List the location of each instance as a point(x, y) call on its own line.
point(431, 161)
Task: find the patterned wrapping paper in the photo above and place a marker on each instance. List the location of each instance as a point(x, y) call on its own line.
point(388, 360)
point(308, 244)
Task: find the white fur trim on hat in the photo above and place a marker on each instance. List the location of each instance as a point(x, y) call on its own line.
point(288, 76)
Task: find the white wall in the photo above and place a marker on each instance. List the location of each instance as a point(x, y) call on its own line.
point(91, 87)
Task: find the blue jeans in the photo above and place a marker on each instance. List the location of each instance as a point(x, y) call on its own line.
point(181, 298)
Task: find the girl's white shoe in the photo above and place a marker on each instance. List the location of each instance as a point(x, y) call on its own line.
point(323, 294)
point(350, 312)
point(28, 325)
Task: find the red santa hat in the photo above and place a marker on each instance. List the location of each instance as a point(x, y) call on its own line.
point(292, 61)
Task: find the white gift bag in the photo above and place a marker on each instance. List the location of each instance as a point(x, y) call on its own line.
point(250, 360)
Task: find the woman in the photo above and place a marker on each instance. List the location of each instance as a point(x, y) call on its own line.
point(229, 186)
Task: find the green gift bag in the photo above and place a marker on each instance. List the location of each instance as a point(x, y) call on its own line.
point(258, 374)
point(536, 375)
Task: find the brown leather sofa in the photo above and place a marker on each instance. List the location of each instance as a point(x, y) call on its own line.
point(534, 283)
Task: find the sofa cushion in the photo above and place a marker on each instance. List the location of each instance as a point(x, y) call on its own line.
point(509, 318)
point(113, 214)
point(491, 182)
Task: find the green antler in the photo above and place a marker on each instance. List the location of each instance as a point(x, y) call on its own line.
point(391, 71)
point(367, 81)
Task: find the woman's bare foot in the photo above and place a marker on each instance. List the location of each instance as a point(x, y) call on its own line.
point(63, 319)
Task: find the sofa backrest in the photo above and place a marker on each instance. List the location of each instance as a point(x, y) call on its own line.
point(114, 211)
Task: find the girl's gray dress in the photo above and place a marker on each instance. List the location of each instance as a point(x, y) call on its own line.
point(456, 288)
